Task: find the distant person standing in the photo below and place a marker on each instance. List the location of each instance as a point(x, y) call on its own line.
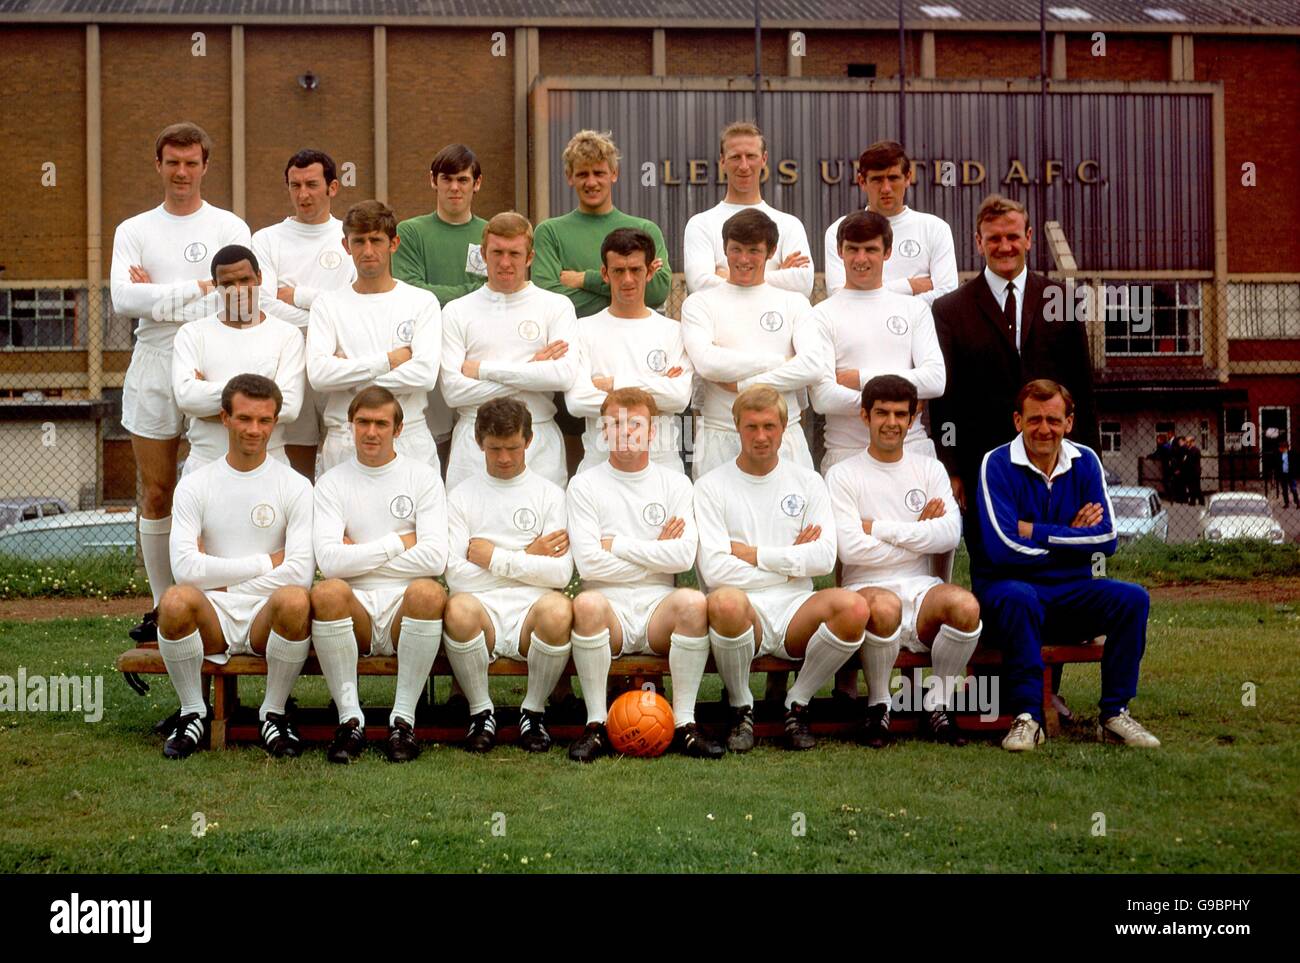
point(1286, 475)
point(1192, 471)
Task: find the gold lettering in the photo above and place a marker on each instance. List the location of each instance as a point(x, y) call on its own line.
point(826, 172)
point(697, 171)
point(1016, 173)
point(787, 171)
point(966, 167)
point(668, 174)
point(767, 173)
point(938, 170)
point(1079, 171)
point(1052, 169)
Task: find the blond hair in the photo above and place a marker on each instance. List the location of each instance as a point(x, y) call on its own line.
point(759, 398)
point(739, 128)
point(629, 398)
point(508, 224)
point(590, 146)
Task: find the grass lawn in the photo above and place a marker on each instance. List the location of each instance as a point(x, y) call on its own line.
point(1223, 795)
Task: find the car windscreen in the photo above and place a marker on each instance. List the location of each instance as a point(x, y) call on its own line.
point(1131, 506)
point(1237, 506)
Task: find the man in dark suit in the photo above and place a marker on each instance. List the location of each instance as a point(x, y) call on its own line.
point(1001, 329)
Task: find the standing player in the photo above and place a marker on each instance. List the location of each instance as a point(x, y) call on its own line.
point(743, 332)
point(924, 263)
point(381, 539)
point(629, 345)
point(241, 549)
point(893, 510)
point(569, 259)
point(742, 157)
point(871, 330)
point(240, 338)
point(766, 531)
point(632, 529)
point(300, 257)
point(377, 330)
point(507, 568)
point(509, 338)
point(160, 277)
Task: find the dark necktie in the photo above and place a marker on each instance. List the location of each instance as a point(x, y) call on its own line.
point(1009, 314)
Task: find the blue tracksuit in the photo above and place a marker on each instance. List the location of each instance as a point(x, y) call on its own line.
point(1041, 588)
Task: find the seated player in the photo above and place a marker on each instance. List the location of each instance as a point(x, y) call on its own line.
point(239, 338)
point(894, 509)
point(632, 529)
point(507, 567)
point(1044, 517)
point(381, 538)
point(241, 553)
point(628, 345)
point(766, 531)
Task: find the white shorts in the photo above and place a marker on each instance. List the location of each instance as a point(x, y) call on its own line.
point(913, 444)
point(381, 605)
point(414, 442)
point(507, 609)
point(634, 606)
point(911, 592)
point(236, 613)
point(714, 447)
point(148, 406)
point(309, 427)
point(775, 608)
point(545, 454)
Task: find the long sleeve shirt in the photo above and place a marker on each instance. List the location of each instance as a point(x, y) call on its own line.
point(306, 257)
point(922, 246)
point(446, 259)
point(704, 250)
point(572, 242)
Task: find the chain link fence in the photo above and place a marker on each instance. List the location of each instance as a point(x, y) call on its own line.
point(1197, 388)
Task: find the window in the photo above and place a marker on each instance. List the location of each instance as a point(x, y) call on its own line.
point(1153, 318)
point(1263, 310)
point(1110, 436)
point(1204, 441)
point(862, 70)
point(1235, 420)
point(42, 317)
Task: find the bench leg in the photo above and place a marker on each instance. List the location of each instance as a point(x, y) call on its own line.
point(1051, 719)
point(225, 700)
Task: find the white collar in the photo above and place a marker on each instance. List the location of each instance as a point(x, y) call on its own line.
point(1064, 458)
point(997, 284)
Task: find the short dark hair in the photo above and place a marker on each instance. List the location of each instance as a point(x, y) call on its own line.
point(253, 386)
point(751, 227)
point(183, 135)
point(862, 226)
point(626, 241)
point(882, 155)
point(366, 216)
point(233, 254)
point(307, 157)
point(889, 387)
point(453, 159)
point(1044, 389)
point(502, 418)
point(375, 396)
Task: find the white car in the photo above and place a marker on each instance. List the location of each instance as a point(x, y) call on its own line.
point(1138, 513)
point(1239, 515)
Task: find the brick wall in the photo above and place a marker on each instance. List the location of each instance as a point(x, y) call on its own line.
point(967, 54)
point(1128, 57)
point(577, 53)
point(714, 53)
point(829, 52)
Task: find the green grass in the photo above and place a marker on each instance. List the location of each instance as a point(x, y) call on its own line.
point(1221, 796)
point(109, 577)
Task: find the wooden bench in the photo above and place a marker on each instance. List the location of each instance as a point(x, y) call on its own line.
point(233, 723)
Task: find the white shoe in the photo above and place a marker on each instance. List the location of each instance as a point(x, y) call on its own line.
point(1025, 734)
point(1124, 728)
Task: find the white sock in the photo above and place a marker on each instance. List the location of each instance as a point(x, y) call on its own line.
point(825, 654)
point(949, 653)
point(878, 657)
point(469, 661)
point(546, 663)
point(592, 659)
point(284, 659)
point(184, 661)
point(336, 650)
point(732, 655)
point(417, 647)
point(155, 546)
point(687, 656)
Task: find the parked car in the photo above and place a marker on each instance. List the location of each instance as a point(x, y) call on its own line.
point(1138, 513)
point(27, 507)
point(99, 531)
point(1239, 515)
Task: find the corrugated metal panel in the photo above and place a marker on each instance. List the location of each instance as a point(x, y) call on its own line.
point(1151, 208)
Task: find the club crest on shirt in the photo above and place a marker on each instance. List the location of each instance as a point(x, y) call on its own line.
point(530, 330)
point(909, 248)
point(793, 504)
point(406, 331)
point(195, 251)
point(262, 515)
point(914, 500)
point(657, 360)
point(771, 320)
point(329, 260)
point(474, 263)
point(525, 519)
point(896, 324)
point(654, 514)
point(401, 506)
